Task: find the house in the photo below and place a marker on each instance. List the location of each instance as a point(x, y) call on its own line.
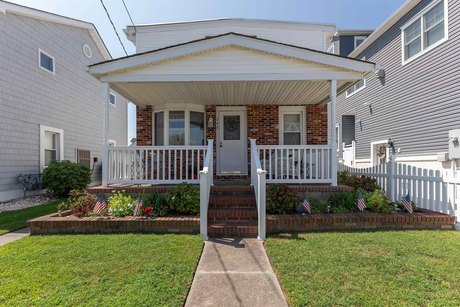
point(229, 80)
point(345, 41)
point(50, 107)
point(413, 97)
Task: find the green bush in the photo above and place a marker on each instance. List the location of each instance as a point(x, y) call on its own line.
point(184, 198)
point(342, 202)
point(61, 177)
point(80, 202)
point(121, 205)
point(378, 202)
point(318, 206)
point(158, 203)
point(365, 183)
point(280, 199)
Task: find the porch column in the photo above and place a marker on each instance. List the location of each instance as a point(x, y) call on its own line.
point(332, 133)
point(105, 133)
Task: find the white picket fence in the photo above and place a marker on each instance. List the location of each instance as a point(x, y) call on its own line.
point(429, 189)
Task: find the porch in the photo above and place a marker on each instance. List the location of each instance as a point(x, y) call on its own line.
point(228, 107)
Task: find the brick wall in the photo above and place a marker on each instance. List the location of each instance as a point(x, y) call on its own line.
point(144, 126)
point(317, 125)
point(263, 124)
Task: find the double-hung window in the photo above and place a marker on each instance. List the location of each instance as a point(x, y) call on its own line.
point(425, 32)
point(179, 127)
point(292, 125)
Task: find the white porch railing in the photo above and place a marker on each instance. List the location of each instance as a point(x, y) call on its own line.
point(206, 181)
point(258, 181)
point(155, 164)
point(296, 163)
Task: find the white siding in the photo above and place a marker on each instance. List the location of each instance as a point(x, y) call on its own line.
point(155, 37)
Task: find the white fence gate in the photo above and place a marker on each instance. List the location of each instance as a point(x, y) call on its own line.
point(429, 189)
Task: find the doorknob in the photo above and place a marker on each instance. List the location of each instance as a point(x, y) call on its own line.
point(220, 144)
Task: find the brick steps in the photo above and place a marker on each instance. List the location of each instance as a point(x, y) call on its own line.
point(232, 211)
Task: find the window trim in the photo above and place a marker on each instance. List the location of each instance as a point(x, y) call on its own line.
point(337, 127)
point(60, 154)
point(419, 17)
point(303, 122)
point(356, 38)
point(114, 104)
point(187, 108)
point(331, 48)
point(373, 157)
point(40, 51)
point(355, 90)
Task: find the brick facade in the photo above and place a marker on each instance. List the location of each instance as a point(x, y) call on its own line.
point(317, 125)
point(144, 124)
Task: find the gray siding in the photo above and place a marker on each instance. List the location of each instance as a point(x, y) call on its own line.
point(71, 99)
point(418, 103)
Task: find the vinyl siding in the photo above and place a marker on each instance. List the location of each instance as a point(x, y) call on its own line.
point(418, 103)
point(71, 99)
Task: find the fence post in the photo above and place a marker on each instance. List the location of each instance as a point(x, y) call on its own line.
point(391, 170)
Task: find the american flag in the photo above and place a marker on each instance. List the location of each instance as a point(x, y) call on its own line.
point(407, 204)
point(138, 209)
point(306, 206)
point(100, 205)
point(361, 203)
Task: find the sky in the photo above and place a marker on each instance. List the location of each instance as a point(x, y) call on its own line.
point(345, 14)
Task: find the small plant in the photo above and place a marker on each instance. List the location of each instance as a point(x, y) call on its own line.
point(401, 207)
point(61, 177)
point(184, 198)
point(80, 202)
point(365, 183)
point(342, 202)
point(157, 205)
point(378, 202)
point(121, 205)
point(280, 199)
point(318, 206)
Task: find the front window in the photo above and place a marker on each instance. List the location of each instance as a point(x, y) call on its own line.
point(425, 32)
point(292, 125)
point(179, 127)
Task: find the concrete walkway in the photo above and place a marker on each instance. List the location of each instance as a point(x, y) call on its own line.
point(14, 235)
point(235, 272)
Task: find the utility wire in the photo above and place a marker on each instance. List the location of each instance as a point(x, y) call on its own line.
point(127, 11)
point(114, 29)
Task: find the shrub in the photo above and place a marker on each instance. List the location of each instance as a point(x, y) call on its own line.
point(158, 204)
point(184, 198)
point(318, 206)
point(378, 202)
point(365, 183)
point(342, 202)
point(280, 199)
point(80, 202)
point(400, 206)
point(121, 205)
point(61, 177)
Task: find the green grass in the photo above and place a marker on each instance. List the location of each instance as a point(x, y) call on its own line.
point(14, 220)
point(98, 270)
point(399, 268)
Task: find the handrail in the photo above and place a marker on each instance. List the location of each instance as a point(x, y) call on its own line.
point(206, 181)
point(258, 181)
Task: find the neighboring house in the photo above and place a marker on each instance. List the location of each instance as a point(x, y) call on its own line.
point(50, 107)
point(413, 98)
point(345, 41)
point(229, 80)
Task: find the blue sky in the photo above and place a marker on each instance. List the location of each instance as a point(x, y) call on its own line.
point(346, 14)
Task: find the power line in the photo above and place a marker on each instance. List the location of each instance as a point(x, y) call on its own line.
point(114, 29)
point(127, 11)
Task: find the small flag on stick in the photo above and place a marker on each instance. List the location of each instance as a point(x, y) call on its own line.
point(407, 204)
point(138, 209)
point(100, 205)
point(361, 203)
point(306, 206)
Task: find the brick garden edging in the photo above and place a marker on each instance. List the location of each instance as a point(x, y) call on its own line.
point(358, 221)
point(68, 223)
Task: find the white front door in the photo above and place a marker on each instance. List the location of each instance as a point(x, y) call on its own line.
point(232, 144)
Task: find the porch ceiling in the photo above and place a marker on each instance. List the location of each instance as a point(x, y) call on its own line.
point(227, 93)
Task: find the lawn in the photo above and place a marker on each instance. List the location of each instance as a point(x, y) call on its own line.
point(98, 270)
point(400, 268)
point(14, 220)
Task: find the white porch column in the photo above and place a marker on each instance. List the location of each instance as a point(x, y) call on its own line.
point(333, 134)
point(105, 133)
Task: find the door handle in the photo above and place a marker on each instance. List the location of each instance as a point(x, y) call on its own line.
point(220, 144)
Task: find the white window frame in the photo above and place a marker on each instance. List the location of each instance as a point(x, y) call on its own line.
point(419, 18)
point(331, 48)
point(373, 156)
point(356, 38)
point(40, 51)
point(355, 89)
point(187, 108)
point(114, 104)
point(60, 154)
point(303, 122)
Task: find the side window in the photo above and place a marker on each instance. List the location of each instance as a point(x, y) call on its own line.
point(46, 61)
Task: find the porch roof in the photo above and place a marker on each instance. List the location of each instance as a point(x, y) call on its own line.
point(230, 69)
